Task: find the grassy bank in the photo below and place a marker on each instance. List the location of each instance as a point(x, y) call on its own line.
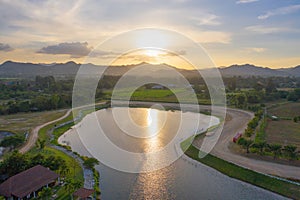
point(275, 185)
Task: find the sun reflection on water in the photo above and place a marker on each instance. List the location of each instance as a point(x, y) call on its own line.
point(153, 185)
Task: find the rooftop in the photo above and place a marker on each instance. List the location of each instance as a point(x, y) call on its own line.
point(28, 181)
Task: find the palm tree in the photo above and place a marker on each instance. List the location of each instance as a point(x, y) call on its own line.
point(291, 151)
point(275, 149)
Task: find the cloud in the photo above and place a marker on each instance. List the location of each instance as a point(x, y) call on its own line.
point(280, 11)
point(209, 19)
point(5, 47)
point(246, 1)
point(74, 49)
point(257, 49)
point(267, 29)
point(213, 37)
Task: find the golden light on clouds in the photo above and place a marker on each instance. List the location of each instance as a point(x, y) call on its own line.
point(153, 56)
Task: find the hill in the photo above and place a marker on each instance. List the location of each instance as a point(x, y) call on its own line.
point(69, 69)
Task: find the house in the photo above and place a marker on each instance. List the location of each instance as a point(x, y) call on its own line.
point(84, 194)
point(27, 183)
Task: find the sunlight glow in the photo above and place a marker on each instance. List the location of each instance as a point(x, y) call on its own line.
point(152, 122)
point(153, 53)
point(152, 38)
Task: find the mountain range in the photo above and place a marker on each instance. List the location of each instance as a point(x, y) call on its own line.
point(69, 69)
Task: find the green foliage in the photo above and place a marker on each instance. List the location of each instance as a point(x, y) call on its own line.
point(17, 162)
point(261, 145)
point(12, 141)
point(245, 143)
point(72, 185)
point(90, 162)
point(261, 134)
point(41, 144)
point(45, 193)
point(296, 119)
point(291, 152)
point(294, 95)
point(96, 179)
point(276, 149)
point(14, 163)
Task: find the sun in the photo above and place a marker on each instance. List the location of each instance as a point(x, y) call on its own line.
point(152, 53)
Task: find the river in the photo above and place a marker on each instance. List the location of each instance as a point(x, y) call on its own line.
point(183, 179)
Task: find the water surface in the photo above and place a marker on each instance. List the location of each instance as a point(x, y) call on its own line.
point(183, 179)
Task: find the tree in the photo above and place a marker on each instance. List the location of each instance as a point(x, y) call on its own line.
point(291, 152)
point(38, 159)
point(241, 100)
point(232, 84)
point(41, 144)
point(45, 193)
point(270, 87)
point(90, 162)
point(275, 149)
point(260, 145)
point(72, 185)
point(246, 143)
point(14, 163)
point(12, 141)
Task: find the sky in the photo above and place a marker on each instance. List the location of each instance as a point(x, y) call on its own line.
point(260, 32)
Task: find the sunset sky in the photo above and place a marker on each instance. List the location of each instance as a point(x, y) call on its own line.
point(260, 32)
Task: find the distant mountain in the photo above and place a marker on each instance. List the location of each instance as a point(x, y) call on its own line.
point(252, 70)
point(70, 69)
point(294, 71)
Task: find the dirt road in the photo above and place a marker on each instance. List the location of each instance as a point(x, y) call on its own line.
point(237, 122)
point(33, 135)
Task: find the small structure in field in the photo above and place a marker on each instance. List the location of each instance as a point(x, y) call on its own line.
point(26, 184)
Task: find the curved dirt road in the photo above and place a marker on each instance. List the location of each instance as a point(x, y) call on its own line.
point(33, 136)
point(237, 122)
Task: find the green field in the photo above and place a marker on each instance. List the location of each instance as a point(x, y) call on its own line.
point(157, 95)
point(287, 110)
point(284, 131)
point(21, 122)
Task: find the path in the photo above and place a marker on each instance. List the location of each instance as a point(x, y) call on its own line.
point(34, 134)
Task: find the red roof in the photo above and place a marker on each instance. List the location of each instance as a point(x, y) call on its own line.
point(28, 181)
point(83, 193)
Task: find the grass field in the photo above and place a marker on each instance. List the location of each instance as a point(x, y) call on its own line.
point(246, 175)
point(283, 132)
point(21, 122)
point(288, 110)
point(158, 95)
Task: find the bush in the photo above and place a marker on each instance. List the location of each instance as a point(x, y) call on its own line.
point(12, 141)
